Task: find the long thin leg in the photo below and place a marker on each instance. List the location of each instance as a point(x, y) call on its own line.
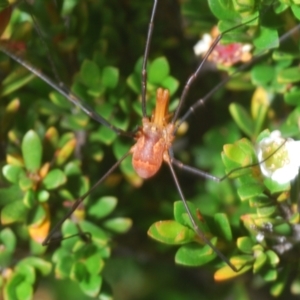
point(63, 90)
point(48, 239)
point(195, 226)
point(204, 174)
point(145, 59)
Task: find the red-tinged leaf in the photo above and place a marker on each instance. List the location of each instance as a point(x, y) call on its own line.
point(171, 232)
point(39, 231)
point(227, 273)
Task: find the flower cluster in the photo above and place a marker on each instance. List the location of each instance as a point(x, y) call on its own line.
point(226, 55)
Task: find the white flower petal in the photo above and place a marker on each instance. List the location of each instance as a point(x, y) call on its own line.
point(203, 45)
point(285, 174)
point(246, 48)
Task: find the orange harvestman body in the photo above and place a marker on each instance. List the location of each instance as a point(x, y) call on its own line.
point(154, 139)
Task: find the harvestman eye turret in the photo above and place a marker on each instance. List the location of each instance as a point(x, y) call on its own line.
point(153, 139)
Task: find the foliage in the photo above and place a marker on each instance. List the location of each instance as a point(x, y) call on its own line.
point(51, 151)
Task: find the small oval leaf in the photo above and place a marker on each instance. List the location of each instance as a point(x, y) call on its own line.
point(54, 179)
point(118, 225)
point(32, 151)
point(195, 255)
point(171, 232)
point(159, 70)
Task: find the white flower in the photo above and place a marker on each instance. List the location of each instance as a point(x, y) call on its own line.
point(280, 157)
point(203, 45)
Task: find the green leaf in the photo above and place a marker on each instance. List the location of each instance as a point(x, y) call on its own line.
point(8, 239)
point(287, 57)
point(223, 225)
point(66, 138)
point(95, 263)
point(292, 97)
point(260, 103)
point(181, 215)
point(118, 225)
point(29, 198)
point(28, 272)
point(9, 290)
point(134, 82)
point(238, 156)
point(242, 118)
point(273, 258)
point(266, 211)
point(90, 74)
point(245, 244)
point(60, 101)
point(98, 235)
point(37, 215)
point(195, 255)
point(277, 288)
point(24, 290)
point(12, 173)
point(91, 285)
point(13, 212)
point(264, 134)
point(262, 74)
point(71, 235)
point(283, 229)
point(26, 183)
point(72, 168)
point(15, 80)
point(159, 70)
point(43, 196)
point(171, 84)
point(260, 261)
point(106, 135)
point(75, 122)
point(110, 77)
point(246, 7)
point(250, 190)
point(78, 272)
point(10, 194)
point(270, 275)
point(43, 266)
point(63, 267)
point(296, 10)
point(221, 10)
point(54, 179)
point(103, 207)
point(275, 187)
point(289, 75)
point(171, 232)
point(36, 248)
point(267, 39)
point(32, 151)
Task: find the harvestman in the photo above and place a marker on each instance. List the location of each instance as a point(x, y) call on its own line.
point(153, 139)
